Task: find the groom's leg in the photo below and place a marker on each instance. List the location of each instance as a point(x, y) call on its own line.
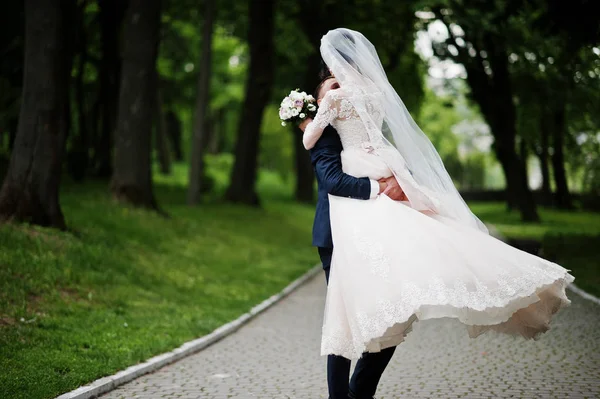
point(338, 371)
point(325, 254)
point(368, 371)
point(338, 367)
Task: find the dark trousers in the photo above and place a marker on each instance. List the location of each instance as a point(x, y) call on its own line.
point(369, 367)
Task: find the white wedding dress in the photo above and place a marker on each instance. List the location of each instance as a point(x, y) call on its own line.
point(393, 265)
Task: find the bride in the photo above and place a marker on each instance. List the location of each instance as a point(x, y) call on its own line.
point(428, 257)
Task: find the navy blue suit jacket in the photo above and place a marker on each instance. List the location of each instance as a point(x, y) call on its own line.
point(327, 163)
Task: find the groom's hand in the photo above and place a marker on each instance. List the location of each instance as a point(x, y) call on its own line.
point(304, 123)
point(393, 189)
point(382, 186)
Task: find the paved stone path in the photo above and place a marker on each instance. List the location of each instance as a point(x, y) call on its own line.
point(277, 356)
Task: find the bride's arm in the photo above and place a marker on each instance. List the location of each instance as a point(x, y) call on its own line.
point(327, 112)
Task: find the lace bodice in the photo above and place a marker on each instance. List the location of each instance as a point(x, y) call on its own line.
point(357, 113)
point(339, 108)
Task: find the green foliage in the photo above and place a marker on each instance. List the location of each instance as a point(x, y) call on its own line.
point(129, 284)
point(553, 61)
point(276, 152)
point(454, 128)
point(474, 172)
point(437, 116)
point(179, 57)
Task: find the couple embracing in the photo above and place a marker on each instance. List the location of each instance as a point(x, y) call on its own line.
point(397, 242)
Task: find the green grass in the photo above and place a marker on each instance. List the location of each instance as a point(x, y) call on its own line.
point(579, 253)
point(571, 239)
point(553, 221)
point(129, 284)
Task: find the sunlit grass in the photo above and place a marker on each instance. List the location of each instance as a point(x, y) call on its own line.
point(128, 284)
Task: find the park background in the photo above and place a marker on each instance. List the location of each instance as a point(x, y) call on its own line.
point(151, 195)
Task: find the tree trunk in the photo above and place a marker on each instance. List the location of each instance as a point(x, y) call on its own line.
point(78, 155)
point(495, 99)
point(258, 90)
point(524, 155)
point(162, 145)
point(304, 170)
point(111, 18)
point(201, 112)
point(30, 192)
point(517, 189)
point(218, 127)
point(132, 176)
point(174, 134)
point(563, 196)
point(13, 126)
point(543, 157)
point(315, 19)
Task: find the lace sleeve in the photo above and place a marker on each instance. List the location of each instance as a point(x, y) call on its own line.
point(328, 111)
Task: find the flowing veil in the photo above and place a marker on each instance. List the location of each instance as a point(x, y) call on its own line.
point(407, 151)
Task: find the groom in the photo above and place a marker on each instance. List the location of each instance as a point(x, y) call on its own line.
point(327, 163)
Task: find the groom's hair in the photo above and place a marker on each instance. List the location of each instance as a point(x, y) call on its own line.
point(320, 86)
point(323, 70)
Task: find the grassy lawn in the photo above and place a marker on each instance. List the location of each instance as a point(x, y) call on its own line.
point(571, 239)
point(553, 221)
point(128, 284)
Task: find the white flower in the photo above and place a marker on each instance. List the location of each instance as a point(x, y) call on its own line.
point(283, 123)
point(295, 112)
point(287, 103)
point(302, 115)
point(310, 98)
point(311, 107)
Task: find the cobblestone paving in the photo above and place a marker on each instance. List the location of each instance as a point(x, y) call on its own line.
point(277, 356)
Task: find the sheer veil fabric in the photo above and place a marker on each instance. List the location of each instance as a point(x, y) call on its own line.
point(354, 62)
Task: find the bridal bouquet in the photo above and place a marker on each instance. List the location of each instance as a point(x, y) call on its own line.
point(296, 107)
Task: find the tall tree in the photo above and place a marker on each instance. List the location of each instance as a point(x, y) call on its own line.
point(315, 18)
point(30, 191)
point(132, 175)
point(542, 153)
point(201, 126)
point(161, 142)
point(78, 153)
point(173, 129)
point(558, 125)
point(12, 28)
point(111, 17)
point(478, 38)
point(258, 89)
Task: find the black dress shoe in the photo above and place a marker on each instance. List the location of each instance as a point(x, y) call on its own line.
point(351, 395)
